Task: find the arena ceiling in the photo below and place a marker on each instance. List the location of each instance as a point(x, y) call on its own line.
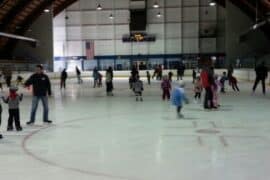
point(16, 16)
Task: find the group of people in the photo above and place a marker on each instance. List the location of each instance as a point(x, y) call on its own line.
point(41, 88)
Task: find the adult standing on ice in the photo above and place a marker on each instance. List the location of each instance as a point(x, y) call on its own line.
point(41, 89)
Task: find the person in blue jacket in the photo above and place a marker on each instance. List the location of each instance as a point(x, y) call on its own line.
point(178, 98)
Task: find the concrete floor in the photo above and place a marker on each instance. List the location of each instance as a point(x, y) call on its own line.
point(105, 138)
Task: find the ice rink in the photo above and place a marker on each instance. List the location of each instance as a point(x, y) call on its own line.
point(95, 137)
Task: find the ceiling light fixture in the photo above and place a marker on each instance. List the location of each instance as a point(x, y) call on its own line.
point(212, 3)
point(156, 5)
point(159, 15)
point(111, 16)
point(46, 10)
point(99, 7)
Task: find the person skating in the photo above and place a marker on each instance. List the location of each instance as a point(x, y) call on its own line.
point(148, 75)
point(198, 90)
point(194, 75)
point(166, 88)
point(63, 78)
point(222, 81)
point(180, 71)
point(261, 75)
point(138, 88)
point(178, 98)
point(109, 81)
point(95, 76)
point(234, 84)
point(41, 89)
point(170, 76)
point(78, 73)
point(13, 101)
point(205, 79)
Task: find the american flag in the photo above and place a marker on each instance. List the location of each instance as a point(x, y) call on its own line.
point(90, 49)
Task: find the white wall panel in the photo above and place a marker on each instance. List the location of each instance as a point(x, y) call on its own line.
point(104, 47)
point(191, 45)
point(74, 33)
point(191, 2)
point(75, 48)
point(173, 30)
point(173, 15)
point(173, 46)
point(120, 30)
point(208, 45)
point(156, 29)
point(60, 20)
point(139, 48)
point(59, 33)
point(89, 17)
point(74, 17)
point(191, 14)
point(190, 30)
point(156, 47)
point(121, 16)
point(122, 48)
point(173, 3)
point(105, 32)
point(58, 49)
point(89, 32)
point(208, 13)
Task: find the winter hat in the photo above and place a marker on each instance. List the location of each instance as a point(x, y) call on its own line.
point(182, 84)
point(13, 88)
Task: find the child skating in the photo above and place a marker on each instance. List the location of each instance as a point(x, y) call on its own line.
point(166, 88)
point(138, 88)
point(234, 83)
point(13, 101)
point(222, 82)
point(178, 98)
point(198, 90)
point(148, 75)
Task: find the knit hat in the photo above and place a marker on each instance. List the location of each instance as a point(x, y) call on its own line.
point(182, 84)
point(13, 88)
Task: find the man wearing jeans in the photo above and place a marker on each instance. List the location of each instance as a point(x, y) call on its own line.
point(41, 89)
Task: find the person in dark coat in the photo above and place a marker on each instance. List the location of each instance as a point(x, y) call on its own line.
point(41, 89)
point(64, 76)
point(180, 71)
point(261, 75)
point(109, 81)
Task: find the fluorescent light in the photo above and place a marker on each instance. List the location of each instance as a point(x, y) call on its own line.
point(99, 7)
point(156, 5)
point(212, 3)
point(13, 36)
point(46, 10)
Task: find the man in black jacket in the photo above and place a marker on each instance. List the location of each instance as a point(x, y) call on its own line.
point(261, 75)
point(41, 89)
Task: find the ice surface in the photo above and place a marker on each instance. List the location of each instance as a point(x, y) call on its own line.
point(104, 138)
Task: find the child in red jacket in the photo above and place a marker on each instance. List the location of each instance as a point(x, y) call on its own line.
point(166, 88)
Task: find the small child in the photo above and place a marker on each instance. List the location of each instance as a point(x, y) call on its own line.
point(222, 82)
point(148, 75)
point(178, 97)
point(138, 88)
point(198, 89)
point(234, 83)
point(99, 79)
point(214, 86)
point(170, 75)
point(166, 88)
point(19, 80)
point(194, 75)
point(13, 101)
